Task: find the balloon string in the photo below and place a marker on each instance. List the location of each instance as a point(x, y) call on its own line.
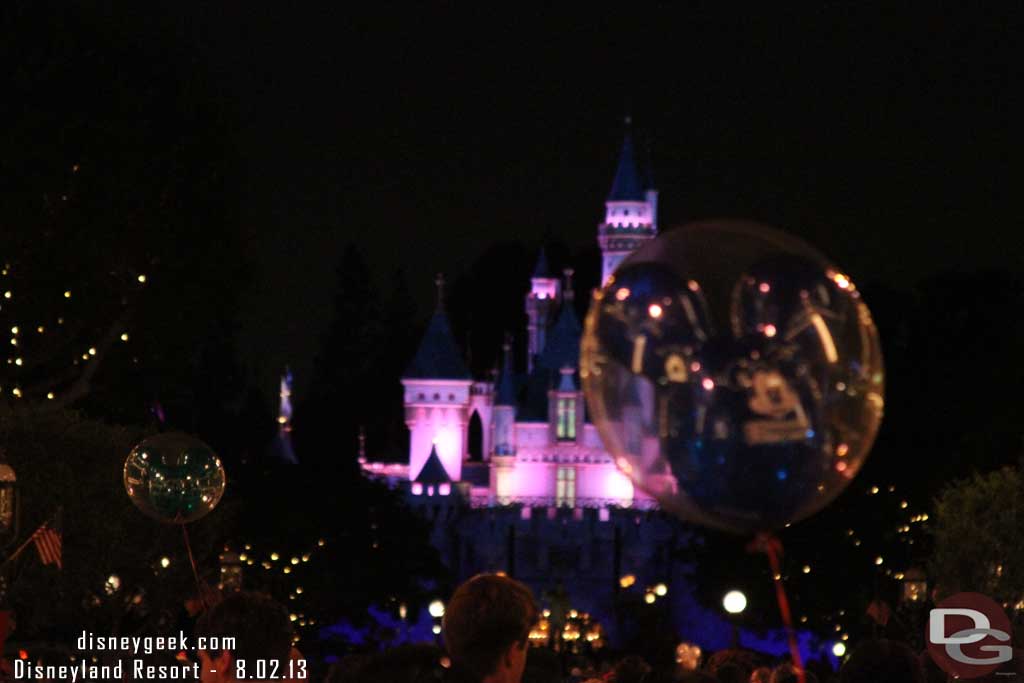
point(772, 547)
point(195, 571)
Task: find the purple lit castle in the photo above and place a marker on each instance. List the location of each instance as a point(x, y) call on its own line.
point(537, 448)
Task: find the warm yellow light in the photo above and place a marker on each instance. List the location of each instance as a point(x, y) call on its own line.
point(67, 294)
point(49, 395)
point(243, 557)
point(274, 556)
point(436, 629)
point(627, 580)
point(879, 560)
point(17, 392)
point(14, 330)
point(39, 329)
point(436, 609)
point(874, 490)
point(298, 590)
point(124, 336)
point(622, 294)
point(142, 278)
point(17, 361)
point(807, 569)
point(165, 562)
point(92, 350)
point(839, 649)
point(320, 543)
point(655, 311)
point(295, 560)
point(649, 598)
point(661, 590)
point(842, 449)
point(903, 505)
point(7, 294)
point(293, 617)
point(770, 330)
point(734, 602)
point(287, 570)
point(305, 558)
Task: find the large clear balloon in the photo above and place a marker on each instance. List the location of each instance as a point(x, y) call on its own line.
point(735, 374)
point(174, 478)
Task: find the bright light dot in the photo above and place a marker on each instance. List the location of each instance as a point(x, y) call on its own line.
point(295, 560)
point(764, 288)
point(841, 466)
point(142, 278)
point(842, 449)
point(293, 617)
point(17, 361)
point(14, 330)
point(287, 570)
point(769, 330)
point(39, 329)
point(124, 336)
point(708, 383)
point(649, 598)
point(7, 294)
point(879, 560)
point(807, 569)
point(903, 505)
point(274, 556)
point(661, 590)
point(436, 629)
point(654, 310)
point(165, 562)
point(17, 392)
point(67, 294)
point(298, 590)
point(622, 294)
point(693, 285)
point(842, 281)
point(874, 490)
point(734, 602)
point(49, 395)
point(320, 543)
point(839, 649)
point(92, 350)
point(436, 609)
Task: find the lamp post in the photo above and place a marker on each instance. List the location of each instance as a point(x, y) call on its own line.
point(436, 610)
point(734, 603)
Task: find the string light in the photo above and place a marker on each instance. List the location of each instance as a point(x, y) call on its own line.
point(67, 294)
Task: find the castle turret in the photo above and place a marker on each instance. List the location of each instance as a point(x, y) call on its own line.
point(630, 210)
point(505, 407)
point(437, 396)
point(541, 302)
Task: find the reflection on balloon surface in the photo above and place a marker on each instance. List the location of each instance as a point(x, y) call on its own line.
point(735, 374)
point(174, 478)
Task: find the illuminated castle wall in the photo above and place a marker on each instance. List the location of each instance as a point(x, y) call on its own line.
point(537, 447)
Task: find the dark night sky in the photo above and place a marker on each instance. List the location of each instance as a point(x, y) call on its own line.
point(425, 136)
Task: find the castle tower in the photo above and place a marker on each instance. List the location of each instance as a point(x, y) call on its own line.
point(631, 211)
point(505, 407)
point(541, 302)
point(437, 396)
point(281, 447)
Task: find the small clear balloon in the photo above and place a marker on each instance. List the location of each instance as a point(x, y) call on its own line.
point(174, 478)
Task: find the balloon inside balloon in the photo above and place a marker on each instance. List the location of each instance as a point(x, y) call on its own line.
point(174, 478)
point(734, 373)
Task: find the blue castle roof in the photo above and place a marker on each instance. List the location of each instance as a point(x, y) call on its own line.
point(628, 185)
point(437, 357)
point(433, 471)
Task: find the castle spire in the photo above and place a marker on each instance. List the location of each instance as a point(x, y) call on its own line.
point(627, 186)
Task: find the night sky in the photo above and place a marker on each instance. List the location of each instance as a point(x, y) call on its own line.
point(426, 136)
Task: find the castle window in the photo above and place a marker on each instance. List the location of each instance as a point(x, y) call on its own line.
point(417, 489)
point(565, 487)
point(566, 419)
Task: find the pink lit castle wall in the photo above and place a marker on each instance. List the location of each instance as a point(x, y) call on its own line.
point(538, 450)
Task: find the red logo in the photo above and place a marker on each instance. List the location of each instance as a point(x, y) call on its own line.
point(969, 635)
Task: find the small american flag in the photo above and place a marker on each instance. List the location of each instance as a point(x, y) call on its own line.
point(48, 544)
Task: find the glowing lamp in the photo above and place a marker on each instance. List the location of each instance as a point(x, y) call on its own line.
point(661, 590)
point(734, 602)
point(436, 609)
point(839, 649)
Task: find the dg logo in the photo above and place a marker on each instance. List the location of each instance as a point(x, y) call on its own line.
point(969, 635)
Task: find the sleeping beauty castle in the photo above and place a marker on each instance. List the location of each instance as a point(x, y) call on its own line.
point(511, 472)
